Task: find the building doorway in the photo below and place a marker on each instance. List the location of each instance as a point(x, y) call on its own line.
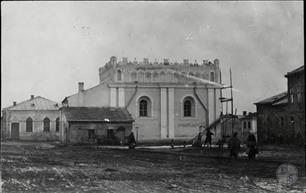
point(15, 131)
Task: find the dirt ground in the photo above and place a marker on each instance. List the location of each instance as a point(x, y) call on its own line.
point(49, 167)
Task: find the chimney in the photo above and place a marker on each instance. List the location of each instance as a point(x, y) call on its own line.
point(145, 61)
point(185, 61)
point(32, 97)
point(244, 113)
point(166, 61)
point(81, 86)
point(14, 103)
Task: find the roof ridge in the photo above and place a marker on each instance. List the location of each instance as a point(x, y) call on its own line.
point(28, 100)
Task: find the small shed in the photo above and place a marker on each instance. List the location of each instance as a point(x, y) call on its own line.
point(105, 125)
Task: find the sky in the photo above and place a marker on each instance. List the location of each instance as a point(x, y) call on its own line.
point(48, 47)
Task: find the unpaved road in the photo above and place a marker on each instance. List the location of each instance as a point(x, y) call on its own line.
point(43, 167)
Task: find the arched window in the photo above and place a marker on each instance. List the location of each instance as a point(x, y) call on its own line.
point(133, 76)
point(29, 125)
point(144, 107)
point(189, 107)
point(47, 124)
point(119, 75)
point(57, 124)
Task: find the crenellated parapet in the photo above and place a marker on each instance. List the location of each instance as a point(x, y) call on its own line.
point(158, 71)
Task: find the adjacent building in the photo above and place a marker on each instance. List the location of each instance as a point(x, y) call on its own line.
point(35, 119)
point(166, 100)
point(281, 118)
point(224, 127)
point(104, 125)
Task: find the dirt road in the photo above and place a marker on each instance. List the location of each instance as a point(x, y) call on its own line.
point(43, 167)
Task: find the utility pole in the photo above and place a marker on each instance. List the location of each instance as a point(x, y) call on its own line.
point(232, 110)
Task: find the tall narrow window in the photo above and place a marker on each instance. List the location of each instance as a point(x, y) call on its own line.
point(189, 107)
point(29, 125)
point(57, 124)
point(47, 124)
point(119, 75)
point(144, 107)
point(244, 125)
point(249, 124)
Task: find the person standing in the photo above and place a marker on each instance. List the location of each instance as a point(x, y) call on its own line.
point(132, 141)
point(208, 138)
point(251, 144)
point(234, 145)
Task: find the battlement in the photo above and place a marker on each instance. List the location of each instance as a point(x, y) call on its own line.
point(165, 62)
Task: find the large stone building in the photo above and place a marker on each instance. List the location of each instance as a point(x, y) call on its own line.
point(166, 100)
point(35, 119)
point(281, 118)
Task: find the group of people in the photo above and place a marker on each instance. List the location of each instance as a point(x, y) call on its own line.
point(234, 144)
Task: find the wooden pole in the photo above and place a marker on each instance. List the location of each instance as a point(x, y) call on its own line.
point(232, 106)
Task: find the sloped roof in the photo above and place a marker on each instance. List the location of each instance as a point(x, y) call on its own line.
point(274, 99)
point(37, 103)
point(97, 114)
point(299, 69)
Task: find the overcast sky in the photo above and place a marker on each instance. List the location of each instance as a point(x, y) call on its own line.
point(48, 47)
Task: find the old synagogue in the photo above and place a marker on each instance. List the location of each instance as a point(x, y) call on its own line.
point(156, 100)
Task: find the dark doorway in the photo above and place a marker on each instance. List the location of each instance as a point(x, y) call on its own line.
point(15, 131)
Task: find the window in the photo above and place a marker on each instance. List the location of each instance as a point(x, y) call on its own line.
point(212, 76)
point(291, 91)
point(47, 124)
point(249, 124)
point(244, 125)
point(134, 76)
point(144, 107)
point(189, 107)
point(29, 125)
point(57, 124)
point(299, 97)
point(91, 134)
point(119, 75)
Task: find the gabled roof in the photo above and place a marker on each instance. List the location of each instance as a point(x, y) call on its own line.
point(37, 103)
point(300, 69)
point(97, 114)
point(275, 100)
